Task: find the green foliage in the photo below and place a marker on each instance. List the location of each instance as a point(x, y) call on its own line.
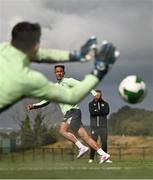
point(128, 121)
point(38, 135)
point(26, 133)
point(39, 130)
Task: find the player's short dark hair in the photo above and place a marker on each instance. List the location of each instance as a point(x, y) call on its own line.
point(25, 35)
point(60, 65)
point(97, 90)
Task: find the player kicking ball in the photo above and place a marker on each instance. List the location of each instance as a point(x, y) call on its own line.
point(72, 118)
point(72, 113)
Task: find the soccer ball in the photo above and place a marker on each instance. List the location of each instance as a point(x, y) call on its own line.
point(132, 89)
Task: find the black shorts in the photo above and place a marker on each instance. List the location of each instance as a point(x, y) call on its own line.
point(73, 118)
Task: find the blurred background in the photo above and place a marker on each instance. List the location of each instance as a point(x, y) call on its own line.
point(67, 24)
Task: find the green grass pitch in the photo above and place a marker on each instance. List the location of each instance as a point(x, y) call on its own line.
point(77, 169)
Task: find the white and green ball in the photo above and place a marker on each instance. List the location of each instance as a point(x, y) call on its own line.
point(132, 89)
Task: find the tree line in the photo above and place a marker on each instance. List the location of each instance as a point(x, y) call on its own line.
point(131, 121)
point(38, 134)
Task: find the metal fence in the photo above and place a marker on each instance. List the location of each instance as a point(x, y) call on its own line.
point(132, 153)
point(69, 154)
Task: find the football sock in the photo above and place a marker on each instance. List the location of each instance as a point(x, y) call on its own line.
point(101, 152)
point(79, 144)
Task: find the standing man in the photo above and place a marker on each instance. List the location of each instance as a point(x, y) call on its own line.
point(99, 109)
point(72, 118)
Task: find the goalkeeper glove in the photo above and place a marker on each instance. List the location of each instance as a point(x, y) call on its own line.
point(104, 59)
point(84, 53)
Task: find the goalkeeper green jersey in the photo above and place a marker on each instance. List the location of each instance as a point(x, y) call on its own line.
point(17, 80)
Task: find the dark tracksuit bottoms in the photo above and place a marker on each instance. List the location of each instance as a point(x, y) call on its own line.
point(98, 123)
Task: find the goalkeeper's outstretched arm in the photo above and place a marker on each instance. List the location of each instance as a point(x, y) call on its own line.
point(54, 56)
point(43, 89)
point(103, 61)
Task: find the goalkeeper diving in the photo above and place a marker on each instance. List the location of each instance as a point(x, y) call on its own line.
point(17, 80)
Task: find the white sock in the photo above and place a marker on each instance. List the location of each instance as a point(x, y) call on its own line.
point(101, 152)
point(79, 144)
